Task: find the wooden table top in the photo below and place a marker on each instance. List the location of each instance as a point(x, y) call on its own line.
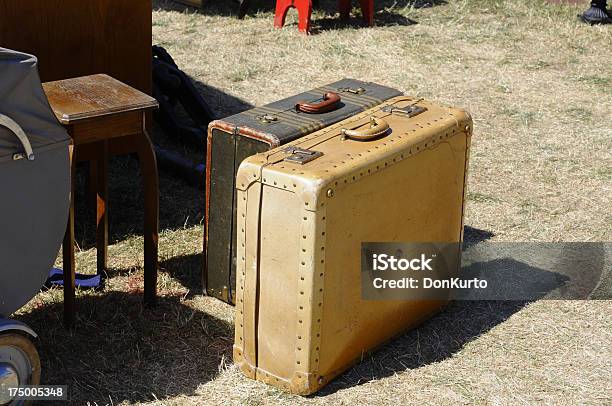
point(87, 97)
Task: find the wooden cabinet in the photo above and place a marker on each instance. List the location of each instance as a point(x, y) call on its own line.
point(82, 37)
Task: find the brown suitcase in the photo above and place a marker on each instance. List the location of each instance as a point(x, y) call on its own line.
point(305, 208)
point(234, 138)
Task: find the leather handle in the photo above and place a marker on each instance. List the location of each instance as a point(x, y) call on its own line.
point(6, 121)
point(378, 127)
point(331, 101)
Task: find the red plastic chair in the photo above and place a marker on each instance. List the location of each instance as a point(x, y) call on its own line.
point(304, 8)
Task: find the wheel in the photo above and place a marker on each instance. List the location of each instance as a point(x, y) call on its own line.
point(19, 365)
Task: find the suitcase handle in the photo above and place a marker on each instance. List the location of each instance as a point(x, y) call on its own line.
point(331, 101)
point(378, 127)
point(6, 121)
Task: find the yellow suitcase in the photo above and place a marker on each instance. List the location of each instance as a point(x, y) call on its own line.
point(395, 173)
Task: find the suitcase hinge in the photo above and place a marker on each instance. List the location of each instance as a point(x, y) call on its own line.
point(300, 156)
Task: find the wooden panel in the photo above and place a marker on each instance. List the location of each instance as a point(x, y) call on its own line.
point(93, 96)
point(106, 127)
point(82, 37)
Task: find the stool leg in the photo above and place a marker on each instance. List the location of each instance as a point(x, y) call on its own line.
point(282, 6)
point(68, 252)
point(344, 7)
point(367, 11)
point(304, 13)
point(101, 182)
point(148, 168)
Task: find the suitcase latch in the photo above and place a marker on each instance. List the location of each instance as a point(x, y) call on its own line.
point(300, 156)
point(359, 90)
point(266, 118)
point(409, 111)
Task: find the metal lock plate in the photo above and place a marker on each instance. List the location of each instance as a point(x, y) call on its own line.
point(266, 118)
point(300, 156)
point(409, 111)
point(359, 90)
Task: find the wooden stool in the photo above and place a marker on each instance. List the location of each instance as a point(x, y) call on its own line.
point(106, 117)
point(304, 8)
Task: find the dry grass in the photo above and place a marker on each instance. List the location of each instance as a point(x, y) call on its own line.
point(539, 86)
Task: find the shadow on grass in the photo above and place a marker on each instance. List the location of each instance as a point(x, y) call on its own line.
point(121, 351)
point(219, 8)
point(382, 18)
point(221, 103)
point(187, 270)
point(384, 10)
point(472, 236)
point(445, 334)
point(435, 340)
point(461, 322)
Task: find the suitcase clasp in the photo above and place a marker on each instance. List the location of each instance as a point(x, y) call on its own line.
point(409, 111)
point(266, 118)
point(359, 90)
point(300, 155)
